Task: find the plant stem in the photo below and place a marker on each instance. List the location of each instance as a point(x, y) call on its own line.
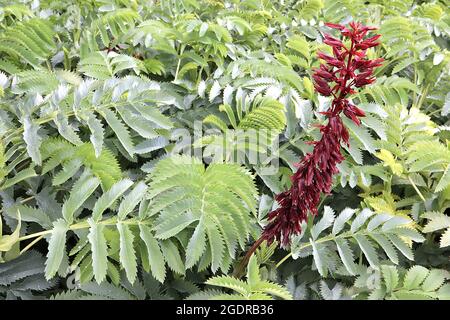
point(283, 260)
point(330, 237)
point(32, 243)
point(248, 256)
point(179, 62)
point(34, 235)
point(417, 189)
point(422, 97)
point(83, 225)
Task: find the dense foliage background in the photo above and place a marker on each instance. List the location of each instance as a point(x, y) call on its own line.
point(102, 198)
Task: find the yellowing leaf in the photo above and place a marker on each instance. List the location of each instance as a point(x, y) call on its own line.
point(389, 161)
point(309, 87)
point(6, 242)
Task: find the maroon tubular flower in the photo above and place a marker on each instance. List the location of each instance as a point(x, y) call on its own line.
point(362, 64)
point(335, 26)
point(329, 40)
point(334, 62)
point(354, 113)
point(324, 74)
point(321, 86)
point(337, 77)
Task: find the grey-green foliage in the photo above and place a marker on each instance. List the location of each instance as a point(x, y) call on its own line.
point(23, 278)
point(109, 28)
point(102, 65)
point(128, 106)
point(255, 288)
point(367, 234)
point(95, 94)
point(255, 124)
point(145, 287)
point(95, 250)
point(318, 290)
point(31, 42)
point(401, 132)
point(56, 152)
point(215, 225)
point(438, 221)
point(417, 283)
point(211, 207)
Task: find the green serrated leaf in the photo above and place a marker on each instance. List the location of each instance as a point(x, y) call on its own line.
point(172, 256)
point(346, 255)
point(131, 200)
point(81, 190)
point(56, 247)
point(155, 257)
point(108, 198)
point(32, 139)
point(325, 222)
point(120, 130)
point(253, 276)
point(342, 219)
point(99, 250)
point(196, 245)
point(127, 253)
point(434, 280)
point(390, 276)
point(368, 250)
point(414, 277)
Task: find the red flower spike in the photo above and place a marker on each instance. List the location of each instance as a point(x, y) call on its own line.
point(338, 76)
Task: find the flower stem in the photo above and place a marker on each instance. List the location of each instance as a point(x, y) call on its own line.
point(247, 257)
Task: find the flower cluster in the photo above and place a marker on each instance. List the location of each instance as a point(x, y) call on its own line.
point(346, 69)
